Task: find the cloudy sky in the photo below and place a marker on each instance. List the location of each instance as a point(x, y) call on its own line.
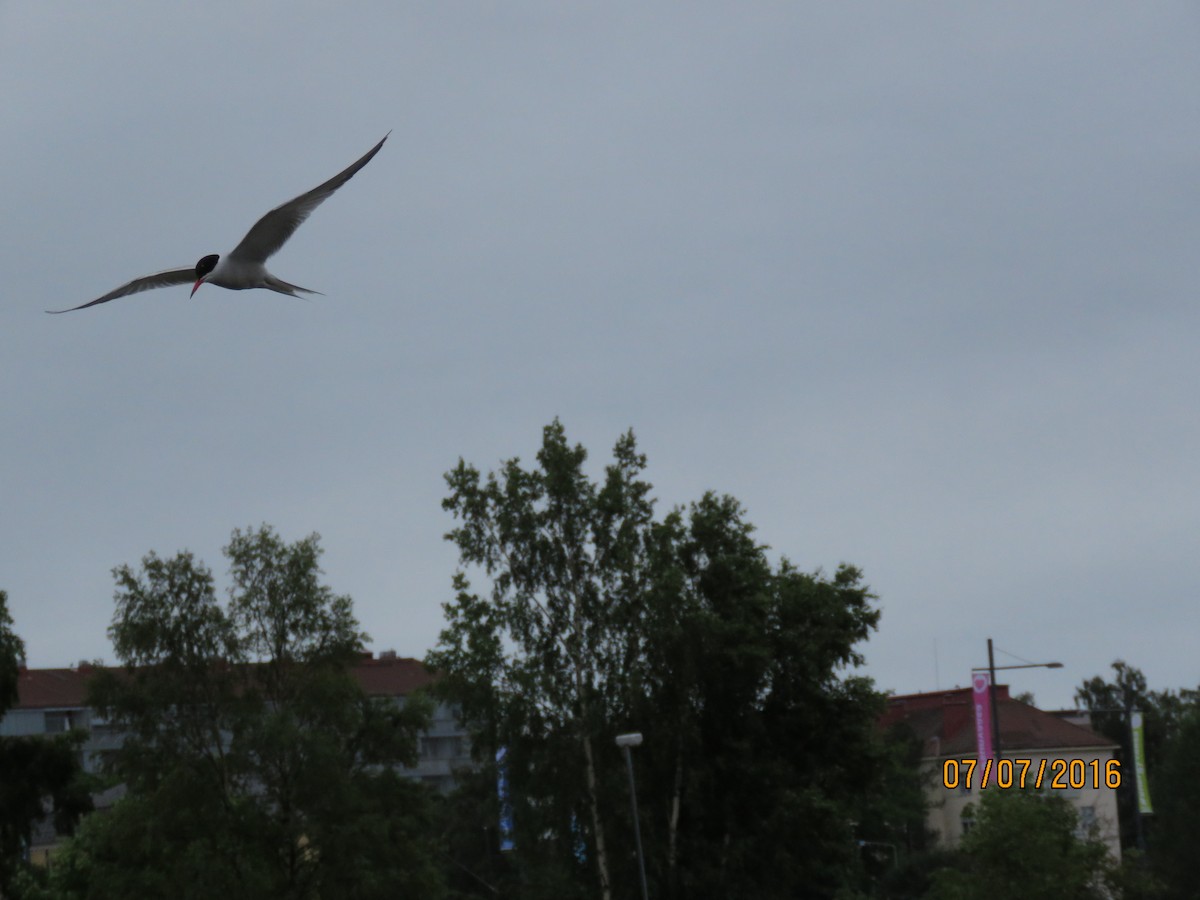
point(914, 282)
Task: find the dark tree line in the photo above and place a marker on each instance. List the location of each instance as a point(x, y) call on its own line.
point(1171, 722)
point(40, 778)
point(762, 767)
point(254, 765)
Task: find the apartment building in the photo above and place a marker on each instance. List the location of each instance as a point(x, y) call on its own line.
point(54, 701)
point(1067, 758)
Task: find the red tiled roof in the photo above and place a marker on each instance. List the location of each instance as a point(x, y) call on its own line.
point(394, 677)
point(945, 722)
point(67, 688)
point(52, 688)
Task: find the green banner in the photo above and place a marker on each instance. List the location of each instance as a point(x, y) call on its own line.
point(1139, 762)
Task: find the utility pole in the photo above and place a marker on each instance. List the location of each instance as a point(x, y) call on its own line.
point(995, 706)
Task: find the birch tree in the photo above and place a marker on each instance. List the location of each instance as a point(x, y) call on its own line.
point(760, 743)
point(540, 656)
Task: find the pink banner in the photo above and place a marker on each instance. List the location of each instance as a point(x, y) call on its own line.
point(981, 694)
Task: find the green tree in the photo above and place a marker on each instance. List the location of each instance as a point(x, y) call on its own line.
point(255, 764)
point(35, 773)
point(1176, 832)
point(1024, 846)
point(12, 654)
point(760, 750)
point(759, 747)
point(564, 554)
point(1163, 713)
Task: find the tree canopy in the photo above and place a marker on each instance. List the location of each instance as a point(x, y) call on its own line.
point(1025, 846)
point(761, 751)
point(12, 653)
point(254, 763)
point(1174, 838)
point(1172, 745)
point(41, 775)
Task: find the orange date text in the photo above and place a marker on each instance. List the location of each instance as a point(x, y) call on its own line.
point(1055, 774)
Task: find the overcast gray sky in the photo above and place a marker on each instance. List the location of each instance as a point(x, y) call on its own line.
point(914, 282)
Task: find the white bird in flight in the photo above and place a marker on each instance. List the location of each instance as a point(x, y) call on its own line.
point(245, 266)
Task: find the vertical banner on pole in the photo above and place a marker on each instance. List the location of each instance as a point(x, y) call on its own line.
point(506, 813)
point(982, 697)
point(1139, 763)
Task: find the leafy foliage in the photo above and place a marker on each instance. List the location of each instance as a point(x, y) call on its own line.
point(760, 750)
point(255, 764)
point(1024, 846)
point(41, 775)
point(12, 652)
point(1176, 832)
point(1163, 715)
point(564, 554)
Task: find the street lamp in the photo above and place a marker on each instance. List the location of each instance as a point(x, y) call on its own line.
point(625, 741)
point(991, 670)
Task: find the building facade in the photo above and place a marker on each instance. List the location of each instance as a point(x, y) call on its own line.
point(1067, 758)
point(54, 701)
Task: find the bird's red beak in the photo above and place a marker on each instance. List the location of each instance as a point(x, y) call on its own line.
point(196, 287)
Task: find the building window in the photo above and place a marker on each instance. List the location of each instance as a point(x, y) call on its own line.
point(967, 818)
point(441, 783)
point(1087, 822)
point(57, 722)
point(442, 747)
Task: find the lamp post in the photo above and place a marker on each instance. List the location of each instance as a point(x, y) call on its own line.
point(991, 670)
point(625, 742)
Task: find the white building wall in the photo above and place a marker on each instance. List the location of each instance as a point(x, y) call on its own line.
point(1094, 802)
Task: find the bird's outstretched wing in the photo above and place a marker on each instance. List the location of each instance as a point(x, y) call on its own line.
point(272, 230)
point(145, 283)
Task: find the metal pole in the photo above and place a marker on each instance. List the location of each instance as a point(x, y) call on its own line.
point(637, 829)
point(995, 706)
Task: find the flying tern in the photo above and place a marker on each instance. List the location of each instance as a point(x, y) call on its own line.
point(245, 266)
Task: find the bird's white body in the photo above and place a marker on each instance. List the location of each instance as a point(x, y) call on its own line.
point(244, 267)
point(237, 275)
point(243, 274)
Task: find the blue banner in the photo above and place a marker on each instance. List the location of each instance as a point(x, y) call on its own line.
point(506, 814)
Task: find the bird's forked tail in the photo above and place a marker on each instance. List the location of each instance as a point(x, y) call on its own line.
point(280, 286)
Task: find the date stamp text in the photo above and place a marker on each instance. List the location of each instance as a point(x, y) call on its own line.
point(1056, 774)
